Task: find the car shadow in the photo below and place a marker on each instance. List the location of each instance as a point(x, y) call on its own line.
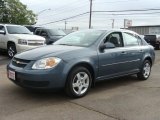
point(4, 59)
point(114, 83)
point(57, 96)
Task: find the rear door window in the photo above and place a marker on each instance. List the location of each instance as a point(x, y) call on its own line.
point(130, 39)
point(139, 40)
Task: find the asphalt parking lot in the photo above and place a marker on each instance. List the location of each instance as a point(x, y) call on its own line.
point(120, 99)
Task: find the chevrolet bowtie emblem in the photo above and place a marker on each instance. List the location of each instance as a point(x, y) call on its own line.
point(17, 62)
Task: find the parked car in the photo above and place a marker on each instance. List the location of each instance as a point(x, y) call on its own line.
point(32, 28)
point(80, 59)
point(16, 38)
point(153, 40)
point(51, 35)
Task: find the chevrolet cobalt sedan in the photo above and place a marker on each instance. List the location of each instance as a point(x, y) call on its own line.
point(80, 59)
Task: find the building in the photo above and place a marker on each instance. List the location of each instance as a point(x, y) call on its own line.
point(143, 30)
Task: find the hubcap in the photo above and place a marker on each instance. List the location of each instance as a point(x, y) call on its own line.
point(11, 52)
point(146, 70)
point(80, 83)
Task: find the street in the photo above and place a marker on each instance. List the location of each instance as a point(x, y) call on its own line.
point(124, 98)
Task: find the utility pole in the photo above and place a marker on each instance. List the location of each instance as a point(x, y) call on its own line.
point(124, 23)
point(65, 25)
point(112, 23)
point(90, 16)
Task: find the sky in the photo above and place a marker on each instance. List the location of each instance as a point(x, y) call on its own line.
point(55, 10)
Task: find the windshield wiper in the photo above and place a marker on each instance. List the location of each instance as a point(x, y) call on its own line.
point(18, 33)
point(65, 44)
point(14, 33)
point(24, 33)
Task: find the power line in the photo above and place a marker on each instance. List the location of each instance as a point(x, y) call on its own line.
point(134, 10)
point(132, 13)
point(69, 10)
point(72, 5)
point(79, 6)
point(115, 1)
point(140, 10)
point(66, 18)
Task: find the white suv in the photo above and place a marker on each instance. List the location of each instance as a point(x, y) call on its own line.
point(17, 38)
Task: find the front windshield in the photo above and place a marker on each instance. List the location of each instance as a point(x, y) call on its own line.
point(17, 30)
point(81, 38)
point(53, 32)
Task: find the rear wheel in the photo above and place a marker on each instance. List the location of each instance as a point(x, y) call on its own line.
point(145, 70)
point(78, 83)
point(11, 50)
point(157, 46)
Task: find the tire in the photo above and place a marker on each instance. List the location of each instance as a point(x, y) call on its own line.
point(78, 82)
point(11, 50)
point(145, 70)
point(158, 47)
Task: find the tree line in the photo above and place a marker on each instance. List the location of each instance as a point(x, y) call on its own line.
point(14, 12)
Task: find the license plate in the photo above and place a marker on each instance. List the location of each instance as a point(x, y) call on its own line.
point(11, 74)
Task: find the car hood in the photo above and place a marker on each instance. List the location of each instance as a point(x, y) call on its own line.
point(27, 36)
point(61, 51)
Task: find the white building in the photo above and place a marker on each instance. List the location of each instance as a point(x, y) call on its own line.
point(143, 30)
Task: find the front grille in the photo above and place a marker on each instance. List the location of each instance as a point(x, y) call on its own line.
point(35, 42)
point(35, 83)
point(19, 62)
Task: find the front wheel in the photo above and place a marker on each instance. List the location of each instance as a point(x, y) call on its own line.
point(11, 50)
point(145, 70)
point(79, 82)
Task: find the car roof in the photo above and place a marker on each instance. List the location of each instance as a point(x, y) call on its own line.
point(113, 30)
point(10, 25)
point(44, 28)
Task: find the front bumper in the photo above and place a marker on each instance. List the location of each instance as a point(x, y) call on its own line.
point(38, 79)
point(21, 48)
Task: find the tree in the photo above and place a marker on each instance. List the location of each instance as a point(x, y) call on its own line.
point(14, 12)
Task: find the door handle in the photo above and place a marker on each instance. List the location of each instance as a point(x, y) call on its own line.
point(141, 51)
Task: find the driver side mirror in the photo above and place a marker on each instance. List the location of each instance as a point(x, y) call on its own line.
point(107, 45)
point(2, 32)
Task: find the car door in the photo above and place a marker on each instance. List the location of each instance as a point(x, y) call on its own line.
point(45, 35)
point(2, 38)
point(37, 32)
point(132, 45)
point(112, 62)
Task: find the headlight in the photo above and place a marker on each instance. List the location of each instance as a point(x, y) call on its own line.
point(46, 63)
point(22, 42)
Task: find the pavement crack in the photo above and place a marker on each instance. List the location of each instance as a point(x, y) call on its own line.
point(89, 108)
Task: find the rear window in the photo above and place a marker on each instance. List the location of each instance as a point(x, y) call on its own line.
point(53, 32)
point(30, 28)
